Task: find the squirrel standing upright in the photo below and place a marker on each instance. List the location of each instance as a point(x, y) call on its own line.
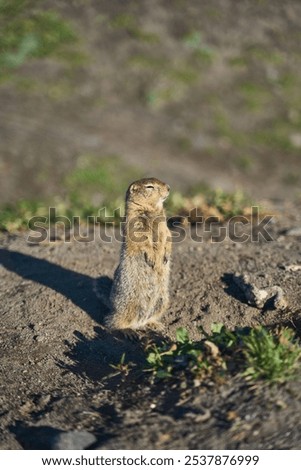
point(140, 291)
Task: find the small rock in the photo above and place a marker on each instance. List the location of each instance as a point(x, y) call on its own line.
point(163, 438)
point(232, 415)
point(199, 417)
point(44, 400)
point(254, 296)
point(197, 383)
point(46, 437)
point(292, 267)
point(281, 404)
point(295, 140)
point(259, 297)
point(27, 407)
point(73, 440)
point(202, 417)
point(212, 348)
point(294, 232)
point(280, 302)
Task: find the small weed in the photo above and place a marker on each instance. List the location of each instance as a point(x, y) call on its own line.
point(288, 82)
point(256, 54)
point(176, 203)
point(291, 179)
point(16, 216)
point(209, 202)
point(184, 74)
point(184, 144)
point(142, 61)
point(229, 204)
point(226, 130)
point(95, 184)
point(276, 137)
point(203, 55)
point(129, 23)
point(238, 61)
point(122, 367)
point(260, 353)
point(244, 162)
point(164, 92)
point(263, 55)
point(199, 188)
point(193, 40)
point(168, 359)
point(201, 52)
point(225, 339)
point(171, 84)
point(272, 357)
point(256, 97)
point(256, 353)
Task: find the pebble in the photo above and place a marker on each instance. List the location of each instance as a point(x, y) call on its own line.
point(294, 232)
point(293, 267)
point(259, 297)
point(295, 140)
point(72, 440)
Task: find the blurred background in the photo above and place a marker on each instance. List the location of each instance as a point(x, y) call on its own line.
point(204, 94)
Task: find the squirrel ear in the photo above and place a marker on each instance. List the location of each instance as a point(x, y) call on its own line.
point(133, 188)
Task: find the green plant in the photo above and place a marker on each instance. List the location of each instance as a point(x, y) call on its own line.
point(244, 162)
point(259, 353)
point(256, 353)
point(208, 202)
point(129, 23)
point(99, 182)
point(16, 216)
point(225, 339)
point(122, 367)
point(167, 360)
point(273, 357)
point(201, 52)
point(256, 97)
point(148, 62)
point(229, 204)
point(277, 137)
point(227, 129)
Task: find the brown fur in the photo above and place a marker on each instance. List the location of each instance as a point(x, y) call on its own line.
point(139, 294)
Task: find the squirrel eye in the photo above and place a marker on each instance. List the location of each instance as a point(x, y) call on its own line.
point(150, 186)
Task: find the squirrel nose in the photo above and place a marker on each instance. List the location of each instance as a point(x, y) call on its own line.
point(168, 188)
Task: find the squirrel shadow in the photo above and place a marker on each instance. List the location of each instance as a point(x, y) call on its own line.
point(92, 358)
point(97, 358)
point(74, 286)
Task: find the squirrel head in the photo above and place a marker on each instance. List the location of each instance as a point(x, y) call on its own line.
point(149, 193)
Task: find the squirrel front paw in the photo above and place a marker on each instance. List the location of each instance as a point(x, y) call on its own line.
point(149, 260)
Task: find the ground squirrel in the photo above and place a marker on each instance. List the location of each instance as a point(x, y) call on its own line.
point(140, 293)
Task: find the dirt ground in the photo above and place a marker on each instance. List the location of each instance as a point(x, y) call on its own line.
point(56, 355)
point(55, 373)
